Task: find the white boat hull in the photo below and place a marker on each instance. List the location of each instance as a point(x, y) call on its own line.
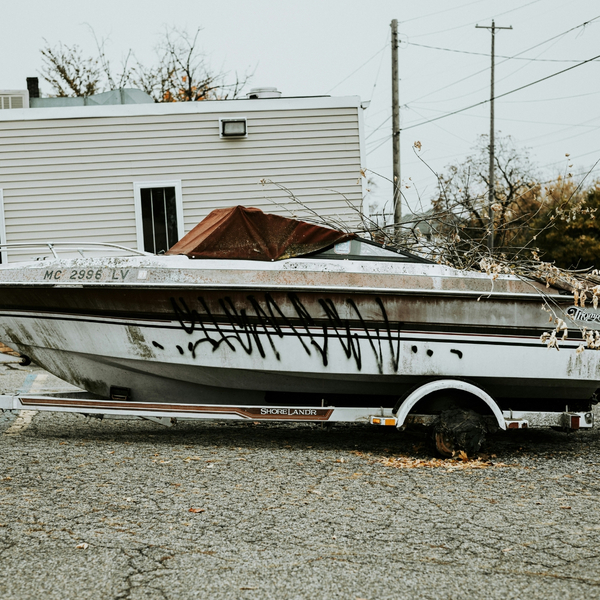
point(300, 331)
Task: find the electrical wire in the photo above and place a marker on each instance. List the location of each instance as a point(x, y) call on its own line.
point(379, 127)
point(550, 99)
point(564, 139)
point(442, 128)
point(502, 95)
point(440, 12)
point(585, 23)
point(470, 93)
point(566, 125)
point(568, 158)
point(358, 69)
point(475, 22)
point(379, 69)
point(376, 140)
point(486, 54)
point(387, 139)
point(529, 121)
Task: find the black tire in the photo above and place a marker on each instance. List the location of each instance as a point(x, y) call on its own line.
point(459, 429)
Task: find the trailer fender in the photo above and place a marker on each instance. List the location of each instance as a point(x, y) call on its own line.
point(446, 384)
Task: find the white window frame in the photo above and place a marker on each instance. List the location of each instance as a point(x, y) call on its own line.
point(4, 252)
point(138, 186)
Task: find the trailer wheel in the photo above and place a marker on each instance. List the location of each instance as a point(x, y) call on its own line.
point(459, 429)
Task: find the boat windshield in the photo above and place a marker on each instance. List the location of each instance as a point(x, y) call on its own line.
point(361, 249)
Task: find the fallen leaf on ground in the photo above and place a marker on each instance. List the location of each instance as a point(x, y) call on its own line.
point(197, 510)
point(450, 464)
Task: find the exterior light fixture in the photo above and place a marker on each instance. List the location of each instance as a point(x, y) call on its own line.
point(233, 128)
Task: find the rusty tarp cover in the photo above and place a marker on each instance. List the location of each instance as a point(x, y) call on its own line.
point(250, 234)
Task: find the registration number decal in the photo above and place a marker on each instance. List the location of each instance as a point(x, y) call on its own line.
point(87, 275)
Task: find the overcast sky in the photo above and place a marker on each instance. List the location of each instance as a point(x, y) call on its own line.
point(342, 47)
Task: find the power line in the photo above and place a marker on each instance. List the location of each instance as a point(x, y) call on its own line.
point(502, 79)
point(439, 12)
point(529, 121)
point(379, 127)
point(551, 99)
point(475, 22)
point(378, 70)
point(553, 134)
point(585, 23)
point(472, 92)
point(387, 139)
point(377, 140)
point(516, 57)
point(566, 125)
point(504, 94)
point(568, 159)
point(358, 69)
point(442, 128)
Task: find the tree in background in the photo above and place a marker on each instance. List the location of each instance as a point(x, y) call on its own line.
point(462, 201)
point(566, 231)
point(69, 72)
point(179, 74)
point(552, 221)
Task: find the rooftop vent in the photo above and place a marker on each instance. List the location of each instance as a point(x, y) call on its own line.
point(14, 99)
point(263, 92)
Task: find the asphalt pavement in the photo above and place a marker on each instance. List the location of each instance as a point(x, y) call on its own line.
point(131, 509)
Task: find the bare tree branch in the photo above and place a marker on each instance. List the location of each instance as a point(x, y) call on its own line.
point(180, 72)
point(69, 74)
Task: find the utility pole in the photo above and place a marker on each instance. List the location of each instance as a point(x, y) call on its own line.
point(396, 131)
point(492, 182)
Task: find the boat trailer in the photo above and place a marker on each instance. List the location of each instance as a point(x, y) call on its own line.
point(169, 414)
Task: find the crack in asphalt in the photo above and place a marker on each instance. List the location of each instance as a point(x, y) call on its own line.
point(289, 520)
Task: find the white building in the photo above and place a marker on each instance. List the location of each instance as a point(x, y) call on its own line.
point(142, 175)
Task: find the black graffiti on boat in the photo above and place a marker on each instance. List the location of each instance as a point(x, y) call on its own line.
point(264, 321)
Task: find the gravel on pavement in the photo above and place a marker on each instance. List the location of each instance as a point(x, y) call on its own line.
point(114, 509)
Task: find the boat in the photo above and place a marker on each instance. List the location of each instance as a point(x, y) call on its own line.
point(257, 316)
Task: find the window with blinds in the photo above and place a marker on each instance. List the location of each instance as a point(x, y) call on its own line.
point(3, 249)
point(159, 218)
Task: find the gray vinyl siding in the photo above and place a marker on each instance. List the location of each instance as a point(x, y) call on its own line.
point(72, 179)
